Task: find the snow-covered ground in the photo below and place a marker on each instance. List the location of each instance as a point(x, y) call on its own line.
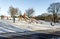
point(6, 26)
point(34, 26)
point(22, 26)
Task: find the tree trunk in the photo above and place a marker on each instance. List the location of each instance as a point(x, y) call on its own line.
point(54, 17)
point(13, 19)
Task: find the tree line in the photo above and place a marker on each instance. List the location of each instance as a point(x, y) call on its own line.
point(15, 11)
point(54, 9)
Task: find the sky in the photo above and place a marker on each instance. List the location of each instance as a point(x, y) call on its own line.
point(40, 6)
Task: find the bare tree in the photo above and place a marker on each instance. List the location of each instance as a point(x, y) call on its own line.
point(13, 12)
point(20, 15)
point(30, 12)
point(54, 8)
point(2, 16)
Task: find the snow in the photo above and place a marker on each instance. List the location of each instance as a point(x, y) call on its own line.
point(7, 27)
point(34, 26)
point(22, 26)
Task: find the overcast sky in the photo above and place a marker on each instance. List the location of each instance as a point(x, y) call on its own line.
point(40, 6)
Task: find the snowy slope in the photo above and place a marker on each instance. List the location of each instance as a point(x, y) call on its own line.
point(6, 27)
point(22, 26)
point(34, 26)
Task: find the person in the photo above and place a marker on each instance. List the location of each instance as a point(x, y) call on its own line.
point(51, 24)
